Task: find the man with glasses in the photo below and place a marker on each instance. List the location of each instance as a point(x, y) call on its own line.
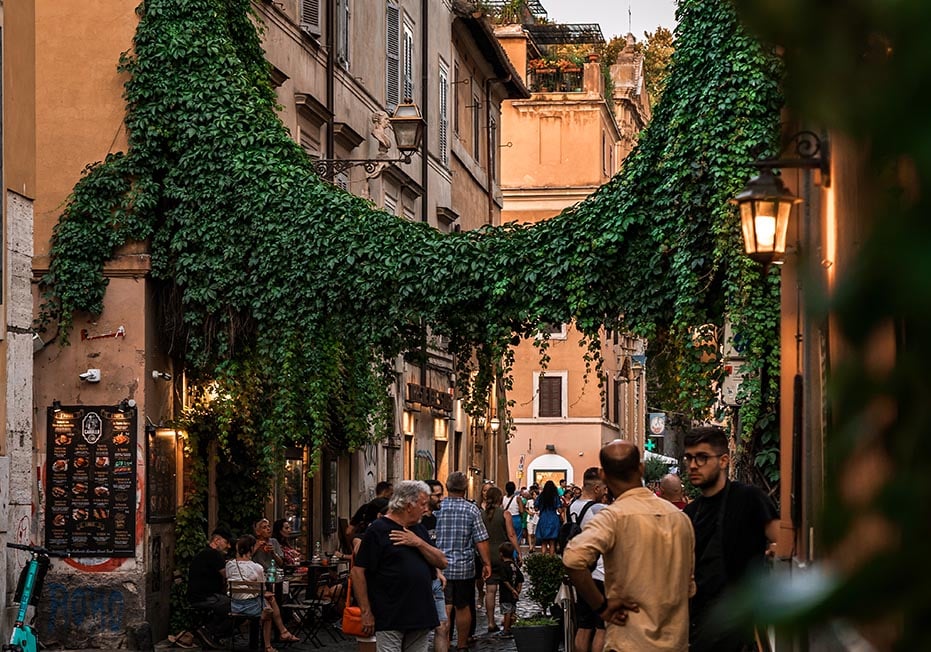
point(734, 524)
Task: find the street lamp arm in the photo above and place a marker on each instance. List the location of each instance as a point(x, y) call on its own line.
point(328, 168)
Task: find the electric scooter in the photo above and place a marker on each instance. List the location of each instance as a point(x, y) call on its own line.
point(28, 591)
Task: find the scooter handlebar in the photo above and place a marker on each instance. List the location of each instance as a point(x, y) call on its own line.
point(39, 550)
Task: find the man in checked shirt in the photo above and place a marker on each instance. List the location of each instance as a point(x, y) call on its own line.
point(459, 532)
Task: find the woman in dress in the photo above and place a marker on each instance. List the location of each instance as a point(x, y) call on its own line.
point(500, 529)
point(549, 508)
point(532, 518)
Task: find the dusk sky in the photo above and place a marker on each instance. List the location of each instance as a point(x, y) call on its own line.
point(645, 15)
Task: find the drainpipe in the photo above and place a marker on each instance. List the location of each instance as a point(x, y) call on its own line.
point(492, 158)
point(330, 78)
point(425, 109)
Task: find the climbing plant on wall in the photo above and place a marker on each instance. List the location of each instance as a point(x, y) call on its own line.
point(291, 295)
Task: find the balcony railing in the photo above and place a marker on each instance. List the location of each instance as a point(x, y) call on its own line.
point(552, 80)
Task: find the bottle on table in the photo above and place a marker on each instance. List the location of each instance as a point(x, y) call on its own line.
point(317, 554)
point(272, 573)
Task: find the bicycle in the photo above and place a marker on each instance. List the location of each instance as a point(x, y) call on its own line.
point(28, 590)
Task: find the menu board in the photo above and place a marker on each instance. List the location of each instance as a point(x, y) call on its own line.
point(91, 481)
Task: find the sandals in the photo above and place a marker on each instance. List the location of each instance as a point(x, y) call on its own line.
point(288, 637)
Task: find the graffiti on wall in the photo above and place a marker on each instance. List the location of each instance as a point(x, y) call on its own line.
point(368, 471)
point(85, 607)
point(424, 465)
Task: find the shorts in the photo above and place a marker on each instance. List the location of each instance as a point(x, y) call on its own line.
point(507, 607)
point(531, 525)
point(439, 598)
point(460, 593)
point(585, 616)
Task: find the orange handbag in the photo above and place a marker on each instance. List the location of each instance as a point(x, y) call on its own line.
point(352, 615)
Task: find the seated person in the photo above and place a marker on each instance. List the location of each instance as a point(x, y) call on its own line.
point(207, 586)
point(250, 602)
point(267, 548)
point(281, 532)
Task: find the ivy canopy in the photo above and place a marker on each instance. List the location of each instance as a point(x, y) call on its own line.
point(292, 294)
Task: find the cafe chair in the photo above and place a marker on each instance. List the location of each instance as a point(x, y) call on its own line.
point(236, 590)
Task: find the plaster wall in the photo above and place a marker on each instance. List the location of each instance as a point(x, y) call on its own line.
point(17, 464)
point(78, 95)
point(576, 441)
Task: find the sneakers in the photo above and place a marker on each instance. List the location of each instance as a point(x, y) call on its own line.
point(206, 640)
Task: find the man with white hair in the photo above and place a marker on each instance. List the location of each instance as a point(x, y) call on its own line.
point(393, 574)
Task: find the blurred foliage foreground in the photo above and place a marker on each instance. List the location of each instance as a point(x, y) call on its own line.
point(860, 69)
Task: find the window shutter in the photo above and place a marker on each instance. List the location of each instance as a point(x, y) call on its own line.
point(408, 64)
point(550, 401)
point(310, 16)
point(393, 56)
point(444, 117)
point(342, 34)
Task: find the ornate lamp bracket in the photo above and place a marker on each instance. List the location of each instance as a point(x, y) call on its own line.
point(811, 153)
point(328, 168)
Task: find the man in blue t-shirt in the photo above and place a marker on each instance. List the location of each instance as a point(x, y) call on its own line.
point(394, 570)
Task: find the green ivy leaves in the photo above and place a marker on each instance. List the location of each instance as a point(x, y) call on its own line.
point(291, 294)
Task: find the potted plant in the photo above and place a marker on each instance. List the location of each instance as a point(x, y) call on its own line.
point(542, 632)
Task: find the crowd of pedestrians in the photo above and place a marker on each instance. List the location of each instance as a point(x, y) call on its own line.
point(647, 566)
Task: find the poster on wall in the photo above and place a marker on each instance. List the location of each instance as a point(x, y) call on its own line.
point(90, 486)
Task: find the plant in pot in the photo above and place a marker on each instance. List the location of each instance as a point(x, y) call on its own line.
point(541, 632)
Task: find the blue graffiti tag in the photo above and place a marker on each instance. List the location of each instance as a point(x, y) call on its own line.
point(98, 607)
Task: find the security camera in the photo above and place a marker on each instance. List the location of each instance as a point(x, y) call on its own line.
point(161, 375)
point(90, 376)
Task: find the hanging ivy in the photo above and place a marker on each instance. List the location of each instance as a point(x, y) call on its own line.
point(291, 295)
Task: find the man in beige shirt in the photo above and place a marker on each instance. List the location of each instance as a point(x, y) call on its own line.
point(649, 556)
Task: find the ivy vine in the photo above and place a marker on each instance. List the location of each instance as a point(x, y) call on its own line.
point(290, 295)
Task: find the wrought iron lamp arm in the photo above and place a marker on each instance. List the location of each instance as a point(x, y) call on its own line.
point(811, 152)
point(330, 167)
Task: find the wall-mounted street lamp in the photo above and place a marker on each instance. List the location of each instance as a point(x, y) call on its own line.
point(765, 203)
point(495, 424)
point(408, 126)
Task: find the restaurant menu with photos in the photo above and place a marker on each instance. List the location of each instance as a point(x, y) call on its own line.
point(91, 481)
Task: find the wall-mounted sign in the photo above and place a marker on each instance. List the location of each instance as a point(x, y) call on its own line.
point(90, 487)
point(657, 423)
point(429, 397)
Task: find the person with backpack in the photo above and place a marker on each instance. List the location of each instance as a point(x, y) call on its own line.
point(590, 628)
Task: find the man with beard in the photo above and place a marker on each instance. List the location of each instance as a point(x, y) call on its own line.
point(441, 633)
point(734, 524)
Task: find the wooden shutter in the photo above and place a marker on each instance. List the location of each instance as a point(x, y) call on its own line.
point(408, 63)
point(444, 116)
point(550, 400)
point(310, 16)
point(392, 56)
point(342, 33)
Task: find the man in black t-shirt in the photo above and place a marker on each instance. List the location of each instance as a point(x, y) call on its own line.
point(441, 634)
point(393, 574)
point(370, 510)
point(206, 587)
point(734, 524)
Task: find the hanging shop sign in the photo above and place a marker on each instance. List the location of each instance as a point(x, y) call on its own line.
point(429, 397)
point(90, 485)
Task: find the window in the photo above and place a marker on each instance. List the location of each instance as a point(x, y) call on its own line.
point(555, 331)
point(392, 56)
point(310, 17)
point(492, 150)
point(341, 180)
point(408, 63)
point(549, 397)
point(476, 127)
point(342, 33)
point(444, 115)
